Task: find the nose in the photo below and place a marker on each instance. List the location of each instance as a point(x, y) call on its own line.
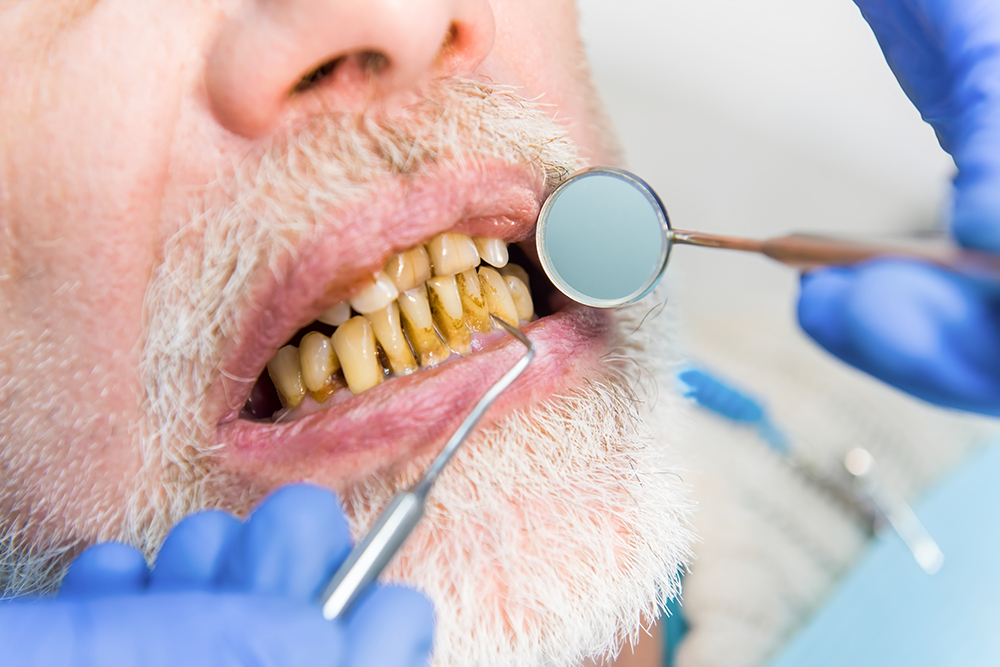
point(269, 54)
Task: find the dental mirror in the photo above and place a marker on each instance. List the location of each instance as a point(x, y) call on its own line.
point(604, 238)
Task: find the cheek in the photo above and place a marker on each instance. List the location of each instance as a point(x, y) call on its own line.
point(538, 48)
point(86, 125)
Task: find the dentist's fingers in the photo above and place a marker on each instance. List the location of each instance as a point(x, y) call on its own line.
point(919, 328)
point(946, 55)
point(190, 628)
point(391, 626)
point(194, 551)
point(106, 569)
point(290, 545)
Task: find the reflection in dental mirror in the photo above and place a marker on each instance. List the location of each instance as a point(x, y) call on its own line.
point(603, 237)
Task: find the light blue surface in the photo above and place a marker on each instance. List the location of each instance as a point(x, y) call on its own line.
point(887, 612)
point(604, 237)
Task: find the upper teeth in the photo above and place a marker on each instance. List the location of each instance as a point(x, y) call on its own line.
point(438, 314)
point(452, 253)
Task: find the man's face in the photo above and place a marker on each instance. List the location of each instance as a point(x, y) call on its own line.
point(185, 186)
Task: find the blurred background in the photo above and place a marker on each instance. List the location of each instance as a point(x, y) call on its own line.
point(764, 117)
point(761, 118)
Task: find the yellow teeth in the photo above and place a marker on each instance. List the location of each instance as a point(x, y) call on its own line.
point(318, 360)
point(452, 253)
point(498, 298)
point(337, 315)
point(492, 251)
point(477, 315)
point(376, 296)
point(521, 296)
point(409, 269)
point(518, 272)
point(354, 343)
point(424, 305)
point(419, 326)
point(446, 307)
point(286, 374)
point(389, 334)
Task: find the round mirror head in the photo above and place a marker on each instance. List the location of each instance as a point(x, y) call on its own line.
point(603, 237)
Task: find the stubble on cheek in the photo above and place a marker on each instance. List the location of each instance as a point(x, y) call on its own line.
point(251, 223)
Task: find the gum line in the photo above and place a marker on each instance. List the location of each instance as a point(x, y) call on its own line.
point(422, 307)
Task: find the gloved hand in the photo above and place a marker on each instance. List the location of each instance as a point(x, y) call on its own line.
point(223, 593)
point(930, 333)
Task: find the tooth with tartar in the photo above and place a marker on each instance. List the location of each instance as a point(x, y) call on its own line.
point(452, 253)
point(446, 307)
point(354, 343)
point(389, 333)
point(286, 374)
point(336, 315)
point(477, 315)
point(418, 324)
point(518, 272)
point(492, 251)
point(319, 361)
point(409, 268)
point(498, 298)
point(521, 296)
point(376, 296)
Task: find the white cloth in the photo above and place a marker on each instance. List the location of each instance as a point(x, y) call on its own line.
point(774, 544)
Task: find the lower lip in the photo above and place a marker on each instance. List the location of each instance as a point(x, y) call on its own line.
point(409, 418)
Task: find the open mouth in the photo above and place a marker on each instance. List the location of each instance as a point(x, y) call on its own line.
point(430, 304)
point(372, 371)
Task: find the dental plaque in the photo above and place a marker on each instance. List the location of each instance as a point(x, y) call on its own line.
point(425, 305)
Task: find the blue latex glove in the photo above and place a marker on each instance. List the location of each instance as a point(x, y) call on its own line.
point(932, 334)
point(222, 593)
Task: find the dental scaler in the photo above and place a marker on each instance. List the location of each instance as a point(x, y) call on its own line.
point(374, 553)
point(604, 240)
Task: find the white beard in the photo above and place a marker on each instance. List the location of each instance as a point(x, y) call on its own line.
point(555, 536)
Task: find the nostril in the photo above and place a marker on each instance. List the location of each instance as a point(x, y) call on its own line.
point(450, 37)
point(313, 77)
point(369, 64)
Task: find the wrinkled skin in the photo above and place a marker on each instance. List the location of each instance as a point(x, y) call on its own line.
point(114, 112)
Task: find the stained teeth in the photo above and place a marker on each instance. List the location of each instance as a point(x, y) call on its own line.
point(419, 326)
point(492, 251)
point(518, 272)
point(446, 307)
point(452, 253)
point(498, 298)
point(337, 315)
point(286, 374)
point(319, 361)
point(376, 296)
point(410, 268)
point(521, 296)
point(389, 333)
point(426, 303)
point(477, 315)
point(354, 343)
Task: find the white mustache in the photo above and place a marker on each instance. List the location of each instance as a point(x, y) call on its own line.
point(249, 220)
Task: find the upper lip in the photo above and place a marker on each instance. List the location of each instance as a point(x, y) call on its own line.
point(499, 199)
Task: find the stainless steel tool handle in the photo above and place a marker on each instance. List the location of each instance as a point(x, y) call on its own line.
point(367, 561)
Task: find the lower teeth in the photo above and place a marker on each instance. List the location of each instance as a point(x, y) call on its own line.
point(420, 327)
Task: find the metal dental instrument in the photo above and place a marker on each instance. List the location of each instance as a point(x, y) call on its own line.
point(604, 240)
point(373, 554)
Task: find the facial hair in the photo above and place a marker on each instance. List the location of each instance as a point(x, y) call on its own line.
point(558, 533)
point(578, 529)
